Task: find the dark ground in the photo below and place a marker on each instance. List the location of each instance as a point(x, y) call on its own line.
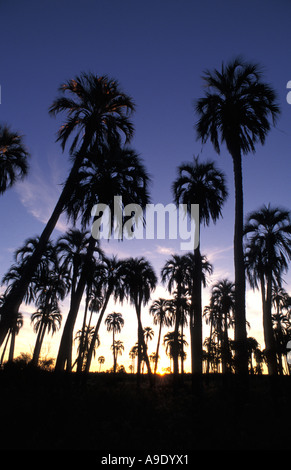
point(43, 411)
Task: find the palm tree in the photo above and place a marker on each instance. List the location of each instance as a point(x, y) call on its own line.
point(268, 252)
point(13, 158)
point(148, 333)
point(133, 353)
point(236, 110)
point(203, 184)
point(111, 269)
point(174, 271)
point(85, 344)
point(12, 333)
point(98, 111)
point(119, 171)
point(117, 348)
point(114, 322)
point(101, 360)
point(47, 318)
point(169, 342)
point(281, 323)
point(139, 281)
point(71, 248)
point(222, 299)
point(162, 312)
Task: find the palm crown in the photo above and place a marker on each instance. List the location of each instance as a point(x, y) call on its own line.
point(236, 107)
point(96, 109)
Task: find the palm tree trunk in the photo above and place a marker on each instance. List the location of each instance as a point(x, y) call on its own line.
point(142, 345)
point(268, 327)
point(83, 339)
point(64, 358)
point(158, 347)
point(240, 286)
point(38, 343)
point(197, 313)
point(114, 352)
point(95, 334)
point(176, 335)
point(4, 349)
point(9, 309)
point(12, 345)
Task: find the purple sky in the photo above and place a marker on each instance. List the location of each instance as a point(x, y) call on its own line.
point(157, 50)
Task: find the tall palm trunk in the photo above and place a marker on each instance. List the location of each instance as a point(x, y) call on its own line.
point(10, 308)
point(142, 346)
point(197, 315)
point(176, 334)
point(158, 348)
point(267, 325)
point(82, 348)
point(239, 270)
point(64, 359)
point(38, 344)
point(96, 330)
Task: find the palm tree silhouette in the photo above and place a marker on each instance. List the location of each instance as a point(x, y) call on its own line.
point(101, 360)
point(203, 184)
point(169, 342)
point(148, 334)
point(236, 111)
point(114, 322)
point(12, 333)
point(98, 111)
point(222, 300)
point(119, 171)
point(174, 273)
point(47, 318)
point(281, 323)
point(268, 251)
point(111, 275)
point(117, 348)
point(162, 312)
point(13, 158)
point(139, 281)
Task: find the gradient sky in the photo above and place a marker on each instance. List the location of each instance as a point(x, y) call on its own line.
point(158, 51)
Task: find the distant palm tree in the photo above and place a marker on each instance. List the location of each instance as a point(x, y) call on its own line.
point(169, 342)
point(84, 345)
point(12, 333)
point(148, 333)
point(133, 353)
point(268, 252)
point(199, 183)
point(47, 318)
point(101, 360)
point(236, 109)
point(13, 158)
point(139, 281)
point(98, 111)
point(117, 348)
point(114, 322)
point(162, 312)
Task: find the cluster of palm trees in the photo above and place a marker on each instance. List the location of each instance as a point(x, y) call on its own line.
point(237, 109)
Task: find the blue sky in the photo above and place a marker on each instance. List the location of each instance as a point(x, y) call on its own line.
point(158, 51)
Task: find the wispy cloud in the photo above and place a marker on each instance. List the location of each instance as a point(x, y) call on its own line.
point(40, 191)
